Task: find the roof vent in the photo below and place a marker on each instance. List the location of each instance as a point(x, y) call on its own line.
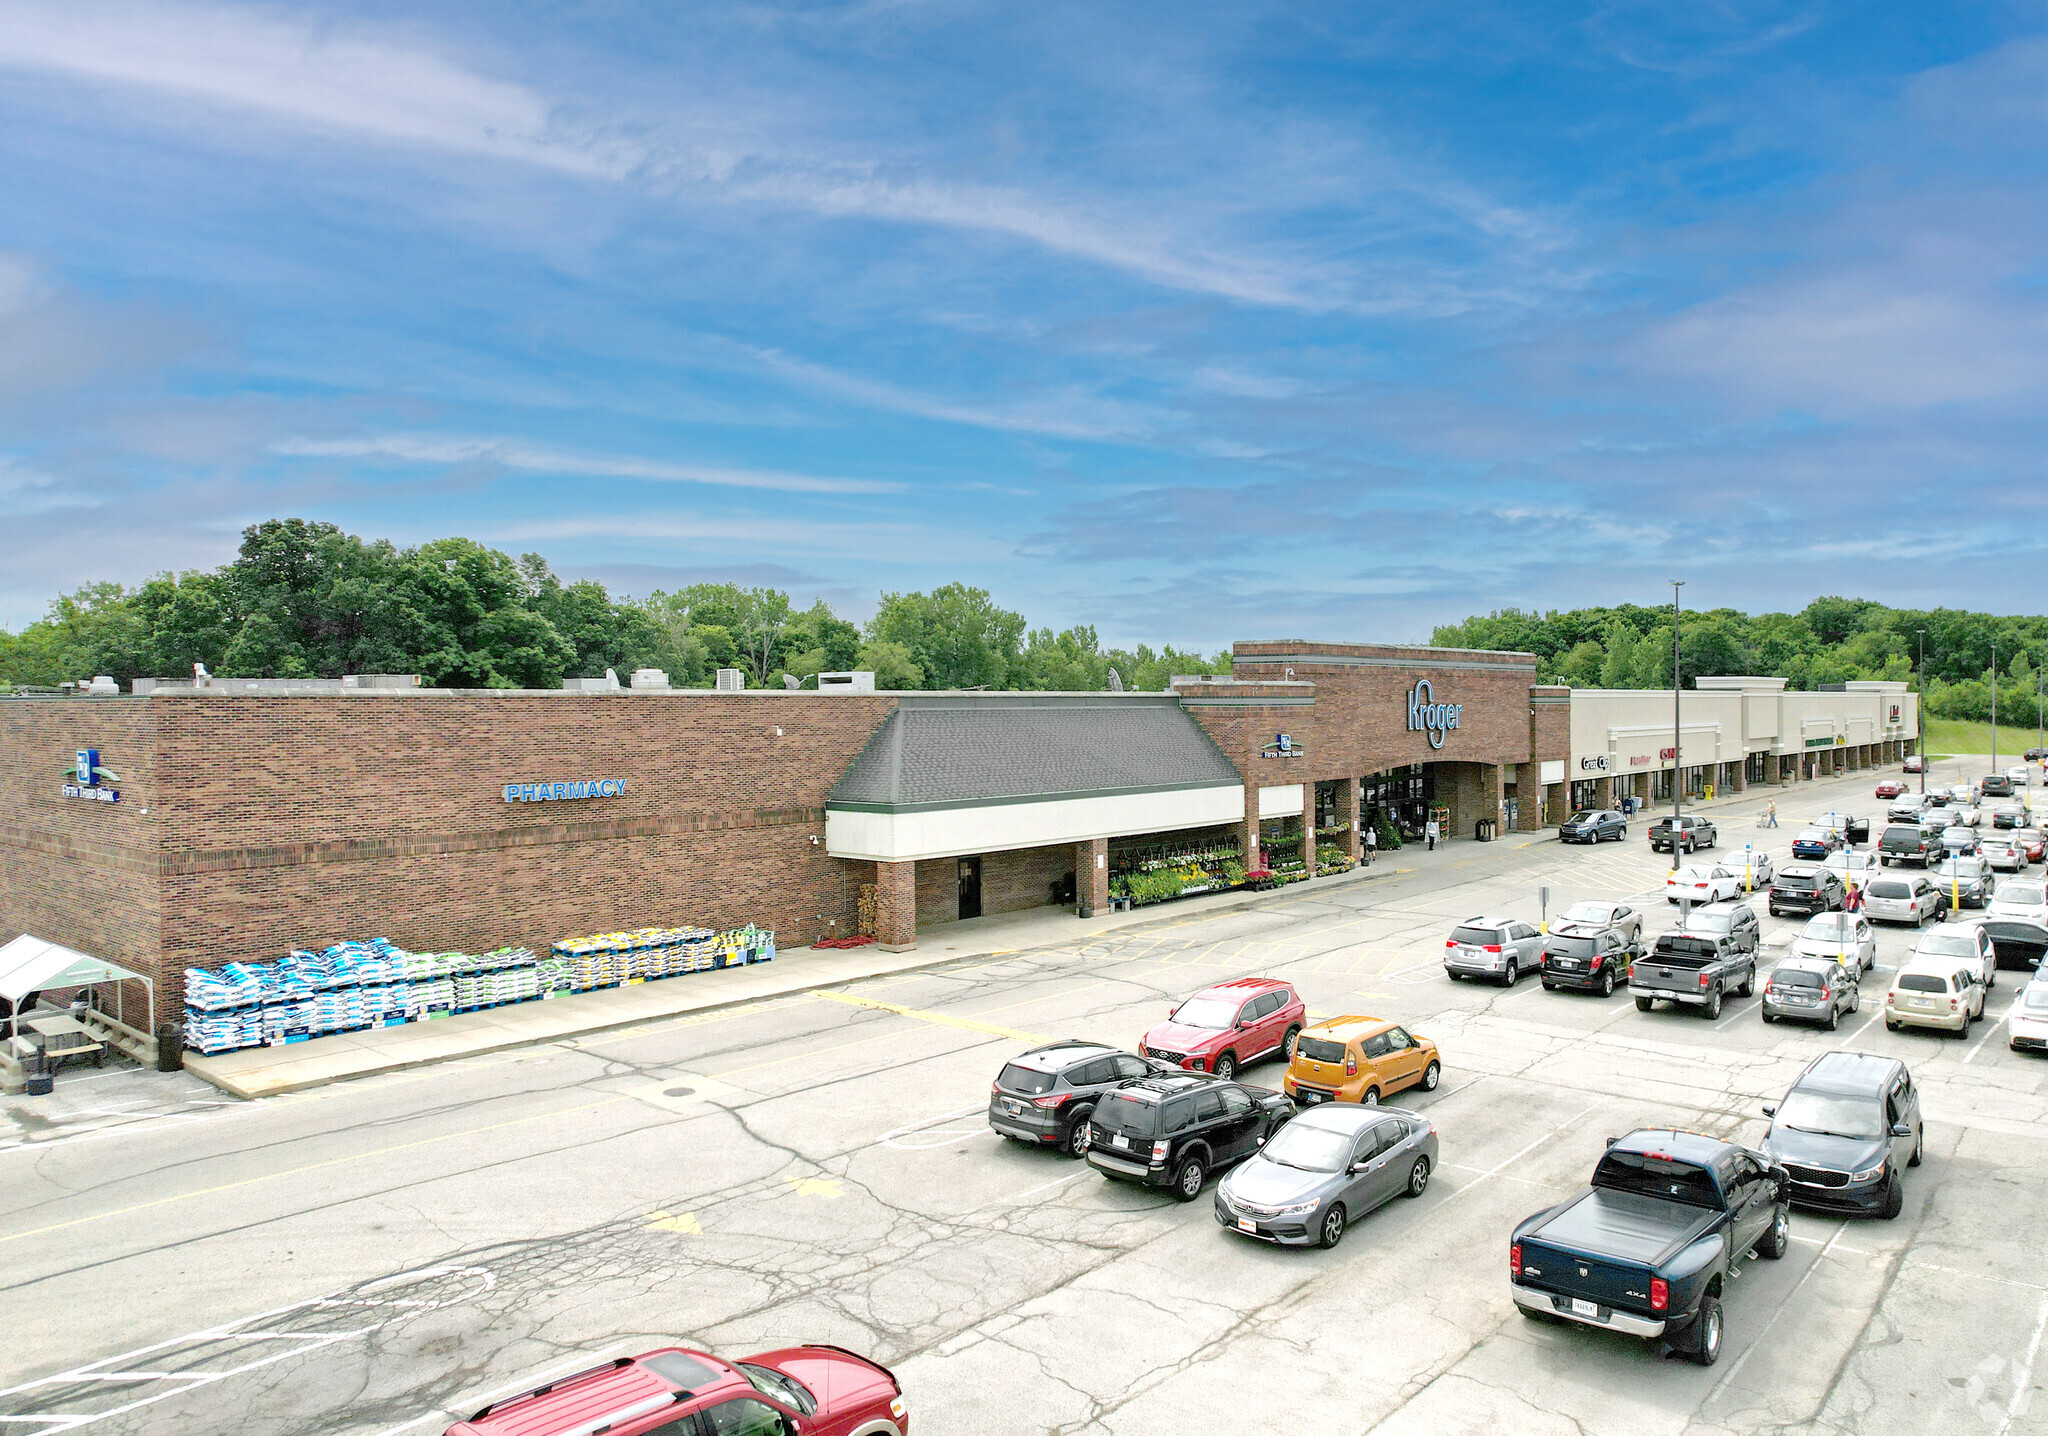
point(860, 680)
point(731, 680)
point(649, 678)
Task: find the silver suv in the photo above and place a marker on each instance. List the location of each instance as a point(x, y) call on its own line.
point(1811, 990)
point(1502, 948)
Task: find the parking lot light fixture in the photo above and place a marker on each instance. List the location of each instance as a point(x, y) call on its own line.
point(1677, 728)
point(1920, 708)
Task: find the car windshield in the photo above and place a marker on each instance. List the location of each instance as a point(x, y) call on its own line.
point(1704, 921)
point(1691, 875)
point(1589, 912)
point(1475, 936)
point(1832, 1114)
point(1320, 1049)
point(1831, 925)
point(1585, 815)
point(1956, 868)
point(1654, 1175)
point(2035, 998)
point(1883, 889)
point(1018, 1078)
point(1795, 977)
point(1129, 1113)
point(2019, 895)
point(1312, 1149)
point(1570, 944)
point(1947, 944)
point(785, 1389)
point(1811, 835)
point(1799, 882)
point(1922, 982)
point(1211, 1013)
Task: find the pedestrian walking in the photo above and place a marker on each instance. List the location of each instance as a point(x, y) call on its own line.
point(1372, 842)
point(1771, 814)
point(1430, 832)
point(1852, 901)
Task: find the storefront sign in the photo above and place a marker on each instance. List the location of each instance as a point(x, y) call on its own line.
point(1895, 715)
point(1592, 765)
point(1641, 761)
point(1425, 715)
point(1283, 746)
point(87, 771)
point(1668, 754)
point(556, 792)
point(1828, 742)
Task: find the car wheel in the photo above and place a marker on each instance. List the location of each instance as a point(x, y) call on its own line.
point(1714, 1005)
point(1644, 1004)
point(1287, 1044)
point(1894, 1198)
point(1607, 983)
point(1187, 1182)
point(1834, 1018)
point(1919, 1144)
point(1706, 1333)
point(1371, 1097)
point(1549, 986)
point(1508, 978)
point(1431, 1075)
point(1855, 999)
point(1890, 1026)
point(1779, 1237)
point(1226, 1066)
point(1332, 1230)
point(1418, 1177)
point(1078, 1134)
point(1748, 984)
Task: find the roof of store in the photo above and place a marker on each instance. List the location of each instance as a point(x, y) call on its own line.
point(958, 750)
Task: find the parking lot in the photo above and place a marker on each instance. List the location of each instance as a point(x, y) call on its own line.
point(382, 1255)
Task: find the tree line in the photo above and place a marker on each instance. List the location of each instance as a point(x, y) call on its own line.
point(1831, 640)
point(306, 600)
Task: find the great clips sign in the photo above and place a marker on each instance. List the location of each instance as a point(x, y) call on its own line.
point(1426, 715)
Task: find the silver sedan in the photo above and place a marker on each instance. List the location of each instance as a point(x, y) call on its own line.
point(1326, 1169)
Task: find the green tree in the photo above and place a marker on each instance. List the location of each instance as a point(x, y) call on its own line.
point(891, 663)
point(956, 635)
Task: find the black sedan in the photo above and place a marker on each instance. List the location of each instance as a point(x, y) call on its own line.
point(1593, 825)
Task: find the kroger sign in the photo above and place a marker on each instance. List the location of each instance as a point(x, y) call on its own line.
point(1426, 716)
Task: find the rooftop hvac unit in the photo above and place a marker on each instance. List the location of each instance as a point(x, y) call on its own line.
point(651, 678)
point(731, 680)
point(860, 680)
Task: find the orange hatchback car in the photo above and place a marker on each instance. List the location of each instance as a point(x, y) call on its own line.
point(1359, 1059)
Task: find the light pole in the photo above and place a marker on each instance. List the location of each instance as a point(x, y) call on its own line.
point(1677, 727)
point(1994, 706)
point(1920, 680)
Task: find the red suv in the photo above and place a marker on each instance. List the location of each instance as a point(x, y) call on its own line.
point(815, 1390)
point(1230, 1026)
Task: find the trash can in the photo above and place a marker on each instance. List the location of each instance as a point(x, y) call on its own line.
point(170, 1047)
point(1483, 830)
point(40, 1079)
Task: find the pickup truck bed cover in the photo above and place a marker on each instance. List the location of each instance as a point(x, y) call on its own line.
point(1624, 1226)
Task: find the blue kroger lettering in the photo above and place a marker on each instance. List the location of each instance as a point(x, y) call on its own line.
point(1425, 715)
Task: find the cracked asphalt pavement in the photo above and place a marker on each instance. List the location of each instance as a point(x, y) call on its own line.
point(388, 1254)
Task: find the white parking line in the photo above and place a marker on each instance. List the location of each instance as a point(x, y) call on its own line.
point(2023, 1379)
point(1497, 1170)
point(1783, 1306)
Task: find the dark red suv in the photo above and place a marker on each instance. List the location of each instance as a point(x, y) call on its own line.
point(798, 1391)
point(1230, 1026)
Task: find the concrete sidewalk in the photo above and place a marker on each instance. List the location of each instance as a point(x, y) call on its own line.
point(270, 1071)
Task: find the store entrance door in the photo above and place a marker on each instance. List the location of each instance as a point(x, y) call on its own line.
point(970, 887)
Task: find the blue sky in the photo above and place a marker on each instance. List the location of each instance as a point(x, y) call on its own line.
point(1193, 322)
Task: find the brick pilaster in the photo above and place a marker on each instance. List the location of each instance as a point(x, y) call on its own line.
point(1252, 856)
point(1347, 811)
point(1091, 876)
point(896, 906)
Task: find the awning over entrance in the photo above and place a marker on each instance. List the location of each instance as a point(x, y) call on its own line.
point(971, 773)
point(31, 964)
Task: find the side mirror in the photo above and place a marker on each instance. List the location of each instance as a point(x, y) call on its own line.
point(1357, 1167)
point(1770, 1109)
point(1902, 1129)
point(1262, 1141)
point(1612, 1140)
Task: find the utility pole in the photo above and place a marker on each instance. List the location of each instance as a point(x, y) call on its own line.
point(1994, 707)
point(1920, 683)
point(1677, 725)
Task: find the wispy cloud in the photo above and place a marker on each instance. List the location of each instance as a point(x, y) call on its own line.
point(530, 458)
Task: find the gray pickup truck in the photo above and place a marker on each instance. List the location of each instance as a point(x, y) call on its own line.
point(1697, 969)
point(1649, 1247)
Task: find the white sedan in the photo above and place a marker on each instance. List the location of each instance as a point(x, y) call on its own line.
point(1969, 815)
point(1966, 942)
point(2017, 897)
point(1702, 885)
point(1844, 937)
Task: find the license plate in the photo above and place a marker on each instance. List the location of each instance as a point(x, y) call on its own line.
point(1118, 1139)
point(1246, 1224)
point(1312, 1097)
point(1585, 1308)
point(1012, 1107)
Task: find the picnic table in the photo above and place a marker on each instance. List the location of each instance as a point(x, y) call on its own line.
point(63, 1038)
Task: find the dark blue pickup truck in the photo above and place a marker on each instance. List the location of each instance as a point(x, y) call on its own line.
point(1649, 1247)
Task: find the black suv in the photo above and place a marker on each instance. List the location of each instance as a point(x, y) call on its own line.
point(1692, 833)
point(1587, 959)
point(1593, 825)
point(1173, 1131)
point(1045, 1096)
point(1806, 889)
point(1846, 1132)
point(1994, 785)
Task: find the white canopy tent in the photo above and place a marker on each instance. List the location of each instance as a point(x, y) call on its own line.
point(31, 964)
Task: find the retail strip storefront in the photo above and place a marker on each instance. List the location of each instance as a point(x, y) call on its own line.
point(261, 818)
